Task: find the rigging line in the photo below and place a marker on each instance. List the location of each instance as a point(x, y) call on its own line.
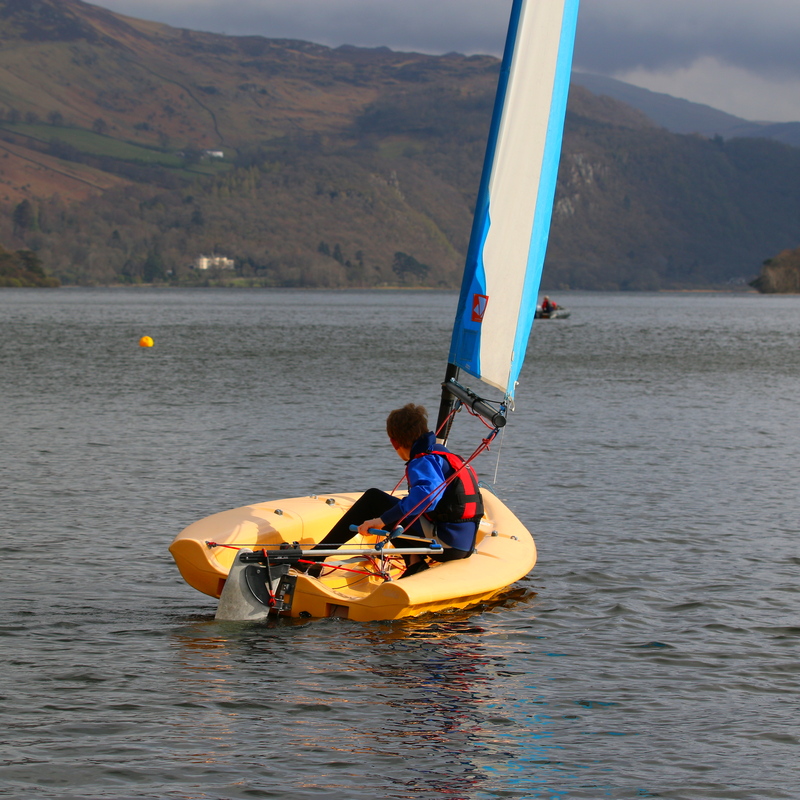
point(392, 562)
point(481, 419)
point(484, 445)
point(334, 567)
point(447, 420)
point(499, 451)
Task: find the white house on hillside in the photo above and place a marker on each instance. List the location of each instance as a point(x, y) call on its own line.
point(216, 262)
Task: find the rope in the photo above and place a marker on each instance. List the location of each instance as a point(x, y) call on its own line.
point(376, 571)
point(499, 451)
point(484, 445)
point(447, 419)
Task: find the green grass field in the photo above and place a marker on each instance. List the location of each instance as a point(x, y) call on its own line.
point(95, 144)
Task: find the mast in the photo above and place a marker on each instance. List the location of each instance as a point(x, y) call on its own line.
point(446, 405)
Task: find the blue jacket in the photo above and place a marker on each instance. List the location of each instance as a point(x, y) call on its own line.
point(425, 475)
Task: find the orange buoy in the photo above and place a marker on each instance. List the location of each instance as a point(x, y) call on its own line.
point(145, 341)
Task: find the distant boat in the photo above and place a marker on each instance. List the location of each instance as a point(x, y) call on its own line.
point(557, 313)
point(248, 557)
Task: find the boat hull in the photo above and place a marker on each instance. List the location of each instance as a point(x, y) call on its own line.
point(505, 552)
point(558, 313)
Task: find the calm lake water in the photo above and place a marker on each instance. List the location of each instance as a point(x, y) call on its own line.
point(653, 651)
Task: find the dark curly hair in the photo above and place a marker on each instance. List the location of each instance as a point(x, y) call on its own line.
point(405, 425)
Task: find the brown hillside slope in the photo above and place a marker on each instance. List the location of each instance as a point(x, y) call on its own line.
point(27, 173)
point(149, 81)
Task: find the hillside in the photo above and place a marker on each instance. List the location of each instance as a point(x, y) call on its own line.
point(668, 211)
point(139, 148)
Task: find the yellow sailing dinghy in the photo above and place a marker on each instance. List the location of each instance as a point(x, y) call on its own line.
point(357, 581)
point(251, 558)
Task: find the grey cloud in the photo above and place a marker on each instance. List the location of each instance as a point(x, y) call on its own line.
point(617, 35)
point(468, 26)
point(613, 35)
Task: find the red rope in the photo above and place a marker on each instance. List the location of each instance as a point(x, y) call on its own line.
point(484, 445)
point(446, 421)
point(378, 573)
point(375, 571)
point(337, 566)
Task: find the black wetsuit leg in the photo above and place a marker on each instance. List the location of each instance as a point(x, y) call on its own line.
point(371, 504)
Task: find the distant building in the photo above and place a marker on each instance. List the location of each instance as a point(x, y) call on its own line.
point(214, 153)
point(213, 262)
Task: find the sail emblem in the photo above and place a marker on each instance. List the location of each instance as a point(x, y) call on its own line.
point(479, 302)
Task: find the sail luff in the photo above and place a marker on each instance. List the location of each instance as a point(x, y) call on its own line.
point(514, 207)
point(481, 206)
point(478, 222)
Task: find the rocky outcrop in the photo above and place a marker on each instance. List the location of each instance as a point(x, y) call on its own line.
point(780, 275)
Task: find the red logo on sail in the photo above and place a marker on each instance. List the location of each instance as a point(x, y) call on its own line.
point(479, 302)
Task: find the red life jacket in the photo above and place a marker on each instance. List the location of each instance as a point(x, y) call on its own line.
point(461, 501)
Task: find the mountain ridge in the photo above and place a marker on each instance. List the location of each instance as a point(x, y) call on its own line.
point(684, 116)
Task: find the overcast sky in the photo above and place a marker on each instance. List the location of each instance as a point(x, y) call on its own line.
point(740, 56)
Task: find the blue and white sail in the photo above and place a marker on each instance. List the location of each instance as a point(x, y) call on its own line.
point(515, 201)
